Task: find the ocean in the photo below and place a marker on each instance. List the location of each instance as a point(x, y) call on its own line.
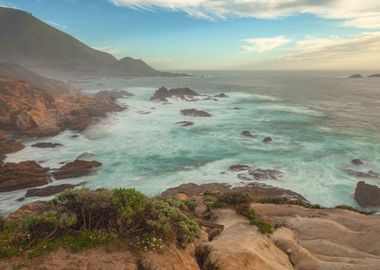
point(319, 122)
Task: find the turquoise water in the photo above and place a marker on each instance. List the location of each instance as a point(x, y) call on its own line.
point(312, 143)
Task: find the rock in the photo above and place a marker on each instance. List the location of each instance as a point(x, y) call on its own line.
point(374, 76)
point(46, 145)
point(210, 98)
point(86, 155)
point(185, 123)
point(163, 94)
point(194, 112)
point(367, 195)
point(74, 136)
point(356, 76)
point(333, 239)
point(240, 246)
point(77, 168)
point(8, 146)
point(239, 167)
point(114, 93)
point(357, 161)
point(261, 174)
point(369, 174)
point(50, 190)
point(267, 140)
point(248, 133)
point(29, 209)
point(22, 175)
point(221, 95)
point(144, 112)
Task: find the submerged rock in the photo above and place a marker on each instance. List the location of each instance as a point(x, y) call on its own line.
point(76, 168)
point(367, 195)
point(50, 190)
point(369, 174)
point(86, 155)
point(248, 133)
point(356, 76)
point(221, 95)
point(261, 174)
point(196, 113)
point(357, 162)
point(184, 93)
point(46, 145)
point(185, 123)
point(239, 167)
point(267, 140)
point(26, 174)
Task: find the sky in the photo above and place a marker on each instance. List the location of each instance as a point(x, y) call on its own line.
point(223, 34)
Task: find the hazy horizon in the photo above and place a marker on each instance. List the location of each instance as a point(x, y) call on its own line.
point(209, 35)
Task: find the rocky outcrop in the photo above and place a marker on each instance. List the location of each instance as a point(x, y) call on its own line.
point(357, 162)
point(31, 111)
point(76, 168)
point(261, 174)
point(332, 239)
point(369, 174)
point(195, 112)
point(49, 190)
point(21, 175)
point(8, 146)
point(239, 167)
point(367, 195)
point(46, 145)
point(221, 95)
point(248, 133)
point(374, 76)
point(356, 76)
point(114, 94)
point(185, 123)
point(267, 140)
point(163, 94)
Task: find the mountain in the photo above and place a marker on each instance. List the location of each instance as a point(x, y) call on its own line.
point(27, 41)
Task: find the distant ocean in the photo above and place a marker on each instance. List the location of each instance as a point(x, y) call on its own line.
point(319, 122)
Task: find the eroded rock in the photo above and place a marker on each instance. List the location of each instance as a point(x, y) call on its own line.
point(163, 94)
point(76, 168)
point(261, 174)
point(239, 167)
point(46, 145)
point(367, 195)
point(49, 190)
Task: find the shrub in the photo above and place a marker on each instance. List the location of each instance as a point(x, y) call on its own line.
point(264, 226)
point(234, 198)
point(191, 205)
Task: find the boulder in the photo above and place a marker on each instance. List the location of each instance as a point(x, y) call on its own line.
point(221, 95)
point(248, 133)
point(357, 162)
point(163, 94)
point(185, 123)
point(46, 145)
point(267, 140)
point(77, 168)
point(22, 175)
point(356, 76)
point(367, 195)
point(261, 174)
point(239, 167)
point(195, 112)
point(49, 190)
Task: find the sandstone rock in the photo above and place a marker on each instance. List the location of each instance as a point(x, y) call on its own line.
point(239, 167)
point(357, 161)
point(163, 94)
point(46, 145)
point(367, 195)
point(195, 112)
point(21, 175)
point(29, 209)
point(267, 139)
point(261, 174)
point(49, 190)
point(185, 123)
point(248, 133)
point(76, 168)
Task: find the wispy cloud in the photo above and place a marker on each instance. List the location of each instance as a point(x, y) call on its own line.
point(336, 47)
point(108, 48)
point(56, 24)
point(264, 44)
point(362, 13)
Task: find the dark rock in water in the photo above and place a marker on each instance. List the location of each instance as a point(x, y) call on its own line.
point(185, 123)
point(86, 155)
point(210, 98)
point(221, 95)
point(367, 195)
point(357, 161)
point(374, 76)
point(46, 145)
point(261, 174)
point(8, 146)
point(144, 112)
point(248, 133)
point(369, 174)
point(50, 190)
point(239, 167)
point(76, 168)
point(163, 94)
point(194, 112)
point(115, 94)
point(356, 76)
point(74, 136)
point(267, 139)
point(236, 108)
point(26, 174)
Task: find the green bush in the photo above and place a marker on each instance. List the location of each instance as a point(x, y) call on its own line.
point(264, 226)
point(234, 198)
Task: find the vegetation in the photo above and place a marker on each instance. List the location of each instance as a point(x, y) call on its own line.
point(81, 219)
point(264, 226)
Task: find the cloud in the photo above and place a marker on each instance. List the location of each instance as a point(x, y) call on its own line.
point(336, 47)
point(357, 13)
point(108, 48)
point(56, 24)
point(264, 44)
